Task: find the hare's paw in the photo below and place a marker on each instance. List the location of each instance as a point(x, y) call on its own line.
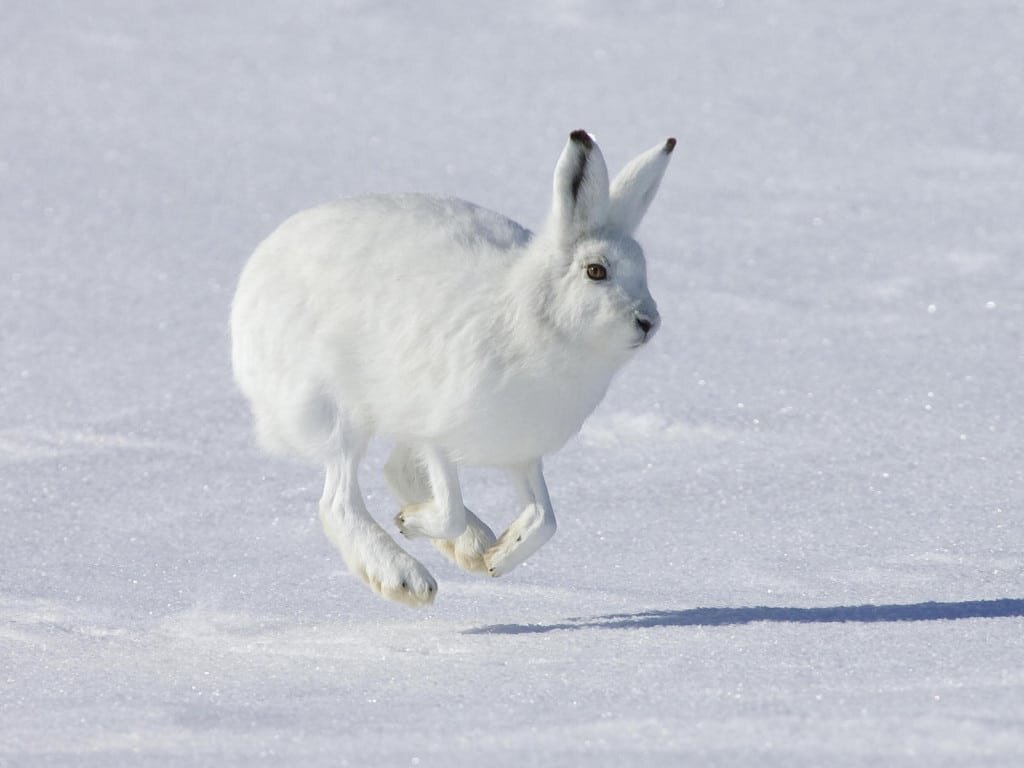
point(526, 535)
point(429, 520)
point(467, 550)
point(399, 578)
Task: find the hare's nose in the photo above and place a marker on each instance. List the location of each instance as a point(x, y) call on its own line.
point(644, 324)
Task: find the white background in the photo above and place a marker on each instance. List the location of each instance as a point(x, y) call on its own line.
point(790, 536)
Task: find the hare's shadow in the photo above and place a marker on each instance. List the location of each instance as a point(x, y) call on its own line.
point(716, 617)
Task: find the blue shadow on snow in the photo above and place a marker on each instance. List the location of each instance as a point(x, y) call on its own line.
point(717, 617)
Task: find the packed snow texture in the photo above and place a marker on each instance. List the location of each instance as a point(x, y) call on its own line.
point(791, 535)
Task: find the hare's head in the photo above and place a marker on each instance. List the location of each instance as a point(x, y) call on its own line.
point(596, 274)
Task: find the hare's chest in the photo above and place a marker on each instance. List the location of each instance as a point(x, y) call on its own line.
point(522, 419)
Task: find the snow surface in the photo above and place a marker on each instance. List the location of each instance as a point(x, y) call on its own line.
point(790, 536)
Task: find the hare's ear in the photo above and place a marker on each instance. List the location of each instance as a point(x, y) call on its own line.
point(580, 203)
point(635, 186)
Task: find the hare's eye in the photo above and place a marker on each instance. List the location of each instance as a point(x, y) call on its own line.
point(596, 271)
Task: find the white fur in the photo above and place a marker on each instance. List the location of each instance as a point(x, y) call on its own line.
point(453, 331)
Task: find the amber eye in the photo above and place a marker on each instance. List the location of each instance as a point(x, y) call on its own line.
point(596, 271)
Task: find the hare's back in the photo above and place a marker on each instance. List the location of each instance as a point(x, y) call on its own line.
point(361, 257)
point(406, 232)
point(372, 256)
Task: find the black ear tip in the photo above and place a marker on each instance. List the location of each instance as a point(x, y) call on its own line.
point(670, 144)
point(582, 137)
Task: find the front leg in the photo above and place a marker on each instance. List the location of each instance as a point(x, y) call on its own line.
point(531, 530)
point(442, 515)
point(407, 477)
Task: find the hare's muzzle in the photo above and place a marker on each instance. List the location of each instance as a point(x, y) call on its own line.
point(647, 325)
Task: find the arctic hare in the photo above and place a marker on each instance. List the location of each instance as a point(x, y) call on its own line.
point(456, 333)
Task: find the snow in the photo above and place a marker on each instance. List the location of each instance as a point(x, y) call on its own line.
point(790, 536)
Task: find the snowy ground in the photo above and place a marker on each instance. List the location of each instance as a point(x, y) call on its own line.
point(792, 534)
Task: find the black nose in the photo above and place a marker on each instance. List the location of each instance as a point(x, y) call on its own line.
point(645, 324)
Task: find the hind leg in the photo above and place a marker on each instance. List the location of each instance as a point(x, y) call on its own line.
point(412, 477)
point(368, 551)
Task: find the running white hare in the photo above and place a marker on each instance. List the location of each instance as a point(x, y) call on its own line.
point(456, 333)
